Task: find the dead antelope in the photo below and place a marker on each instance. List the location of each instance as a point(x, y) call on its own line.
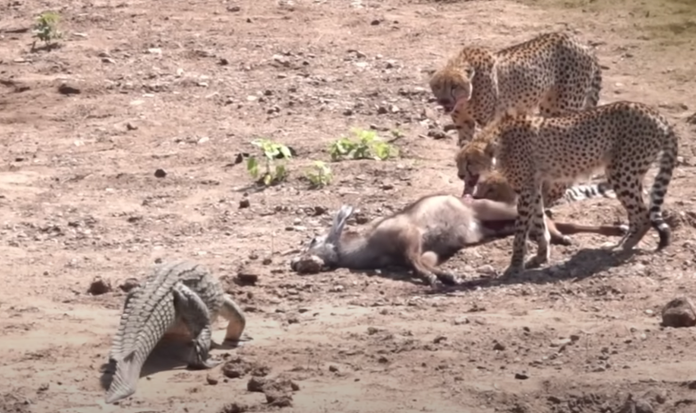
point(422, 236)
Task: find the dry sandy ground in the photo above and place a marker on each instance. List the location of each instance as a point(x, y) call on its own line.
point(186, 85)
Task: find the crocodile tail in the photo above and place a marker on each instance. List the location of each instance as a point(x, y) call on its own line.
point(125, 379)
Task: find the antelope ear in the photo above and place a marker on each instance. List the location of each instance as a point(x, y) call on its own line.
point(470, 72)
point(339, 222)
point(490, 151)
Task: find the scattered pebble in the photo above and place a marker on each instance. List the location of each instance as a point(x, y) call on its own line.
point(521, 376)
point(130, 283)
point(66, 89)
point(99, 286)
point(679, 313)
point(212, 380)
point(160, 173)
point(247, 277)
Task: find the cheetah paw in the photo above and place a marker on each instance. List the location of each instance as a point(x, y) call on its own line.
point(535, 262)
point(512, 271)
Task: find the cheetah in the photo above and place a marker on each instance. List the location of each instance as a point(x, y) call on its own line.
point(553, 71)
point(622, 138)
point(493, 186)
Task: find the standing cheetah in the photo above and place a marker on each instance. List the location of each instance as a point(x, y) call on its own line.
point(552, 71)
point(623, 138)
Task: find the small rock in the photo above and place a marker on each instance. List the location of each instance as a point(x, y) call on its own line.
point(255, 384)
point(233, 9)
point(160, 173)
point(66, 89)
point(129, 284)
point(498, 346)
point(233, 408)
point(233, 369)
point(212, 380)
point(260, 371)
point(246, 277)
point(375, 22)
point(333, 369)
point(244, 203)
point(130, 126)
point(99, 286)
point(382, 110)
point(679, 313)
point(561, 342)
point(439, 339)
point(278, 399)
point(521, 376)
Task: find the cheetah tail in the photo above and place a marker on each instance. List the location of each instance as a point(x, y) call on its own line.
point(667, 163)
point(588, 191)
point(595, 88)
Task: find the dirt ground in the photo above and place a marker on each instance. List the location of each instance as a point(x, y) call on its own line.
point(184, 86)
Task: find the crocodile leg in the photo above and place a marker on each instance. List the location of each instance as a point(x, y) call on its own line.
point(195, 314)
point(235, 317)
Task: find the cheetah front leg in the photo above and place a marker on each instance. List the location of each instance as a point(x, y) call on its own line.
point(523, 223)
point(538, 224)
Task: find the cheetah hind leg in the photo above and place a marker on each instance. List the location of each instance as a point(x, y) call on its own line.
point(629, 191)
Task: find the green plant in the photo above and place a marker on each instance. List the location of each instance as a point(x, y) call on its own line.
point(319, 175)
point(366, 144)
point(46, 28)
point(275, 156)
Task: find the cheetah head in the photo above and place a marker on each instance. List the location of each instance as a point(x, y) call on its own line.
point(474, 159)
point(495, 187)
point(452, 84)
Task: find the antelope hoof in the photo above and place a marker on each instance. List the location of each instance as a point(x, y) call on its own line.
point(609, 246)
point(564, 240)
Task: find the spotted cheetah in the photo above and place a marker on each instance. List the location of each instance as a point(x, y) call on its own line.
point(622, 138)
point(553, 71)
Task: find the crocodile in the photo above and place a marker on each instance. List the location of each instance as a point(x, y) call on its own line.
point(177, 296)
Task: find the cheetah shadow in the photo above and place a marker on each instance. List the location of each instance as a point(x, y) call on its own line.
point(169, 354)
point(584, 264)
